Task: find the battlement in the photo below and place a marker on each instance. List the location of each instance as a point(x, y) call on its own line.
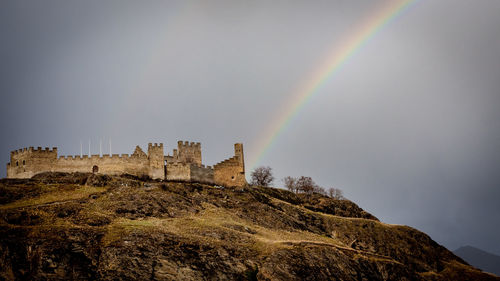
point(187, 152)
point(32, 150)
point(184, 144)
point(94, 156)
point(155, 145)
point(70, 157)
point(184, 165)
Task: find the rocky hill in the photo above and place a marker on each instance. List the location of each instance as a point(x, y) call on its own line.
point(80, 226)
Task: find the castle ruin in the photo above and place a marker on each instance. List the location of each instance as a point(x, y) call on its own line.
point(184, 165)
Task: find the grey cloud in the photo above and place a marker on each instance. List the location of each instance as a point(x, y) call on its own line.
point(408, 129)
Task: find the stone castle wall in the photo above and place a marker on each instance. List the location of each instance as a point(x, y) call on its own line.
point(28, 162)
point(184, 165)
point(111, 165)
point(202, 174)
point(178, 171)
point(231, 172)
point(187, 152)
point(156, 162)
point(189, 172)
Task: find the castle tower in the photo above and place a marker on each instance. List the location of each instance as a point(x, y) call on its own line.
point(188, 152)
point(156, 159)
point(26, 162)
point(238, 153)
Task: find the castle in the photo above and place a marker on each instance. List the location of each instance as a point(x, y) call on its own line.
point(184, 165)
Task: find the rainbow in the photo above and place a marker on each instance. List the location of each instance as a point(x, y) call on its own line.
point(333, 64)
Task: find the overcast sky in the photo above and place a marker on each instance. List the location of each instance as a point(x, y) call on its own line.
point(409, 128)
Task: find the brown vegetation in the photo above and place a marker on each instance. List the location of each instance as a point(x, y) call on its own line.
point(134, 229)
point(262, 176)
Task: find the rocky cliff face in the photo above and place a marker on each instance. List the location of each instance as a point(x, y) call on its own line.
point(79, 226)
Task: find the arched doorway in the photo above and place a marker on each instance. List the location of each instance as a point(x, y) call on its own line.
point(95, 169)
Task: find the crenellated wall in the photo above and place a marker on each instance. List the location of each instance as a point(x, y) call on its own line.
point(184, 165)
point(111, 165)
point(187, 152)
point(156, 163)
point(28, 162)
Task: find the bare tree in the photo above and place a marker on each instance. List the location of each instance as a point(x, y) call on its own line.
point(290, 183)
point(320, 190)
point(336, 193)
point(305, 184)
point(262, 176)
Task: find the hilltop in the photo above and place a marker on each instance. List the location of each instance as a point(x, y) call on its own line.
point(84, 226)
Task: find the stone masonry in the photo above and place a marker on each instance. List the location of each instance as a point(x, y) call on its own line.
point(184, 165)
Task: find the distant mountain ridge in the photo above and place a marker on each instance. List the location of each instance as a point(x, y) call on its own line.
point(481, 259)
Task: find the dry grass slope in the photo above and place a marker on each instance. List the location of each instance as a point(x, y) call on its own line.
point(127, 228)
